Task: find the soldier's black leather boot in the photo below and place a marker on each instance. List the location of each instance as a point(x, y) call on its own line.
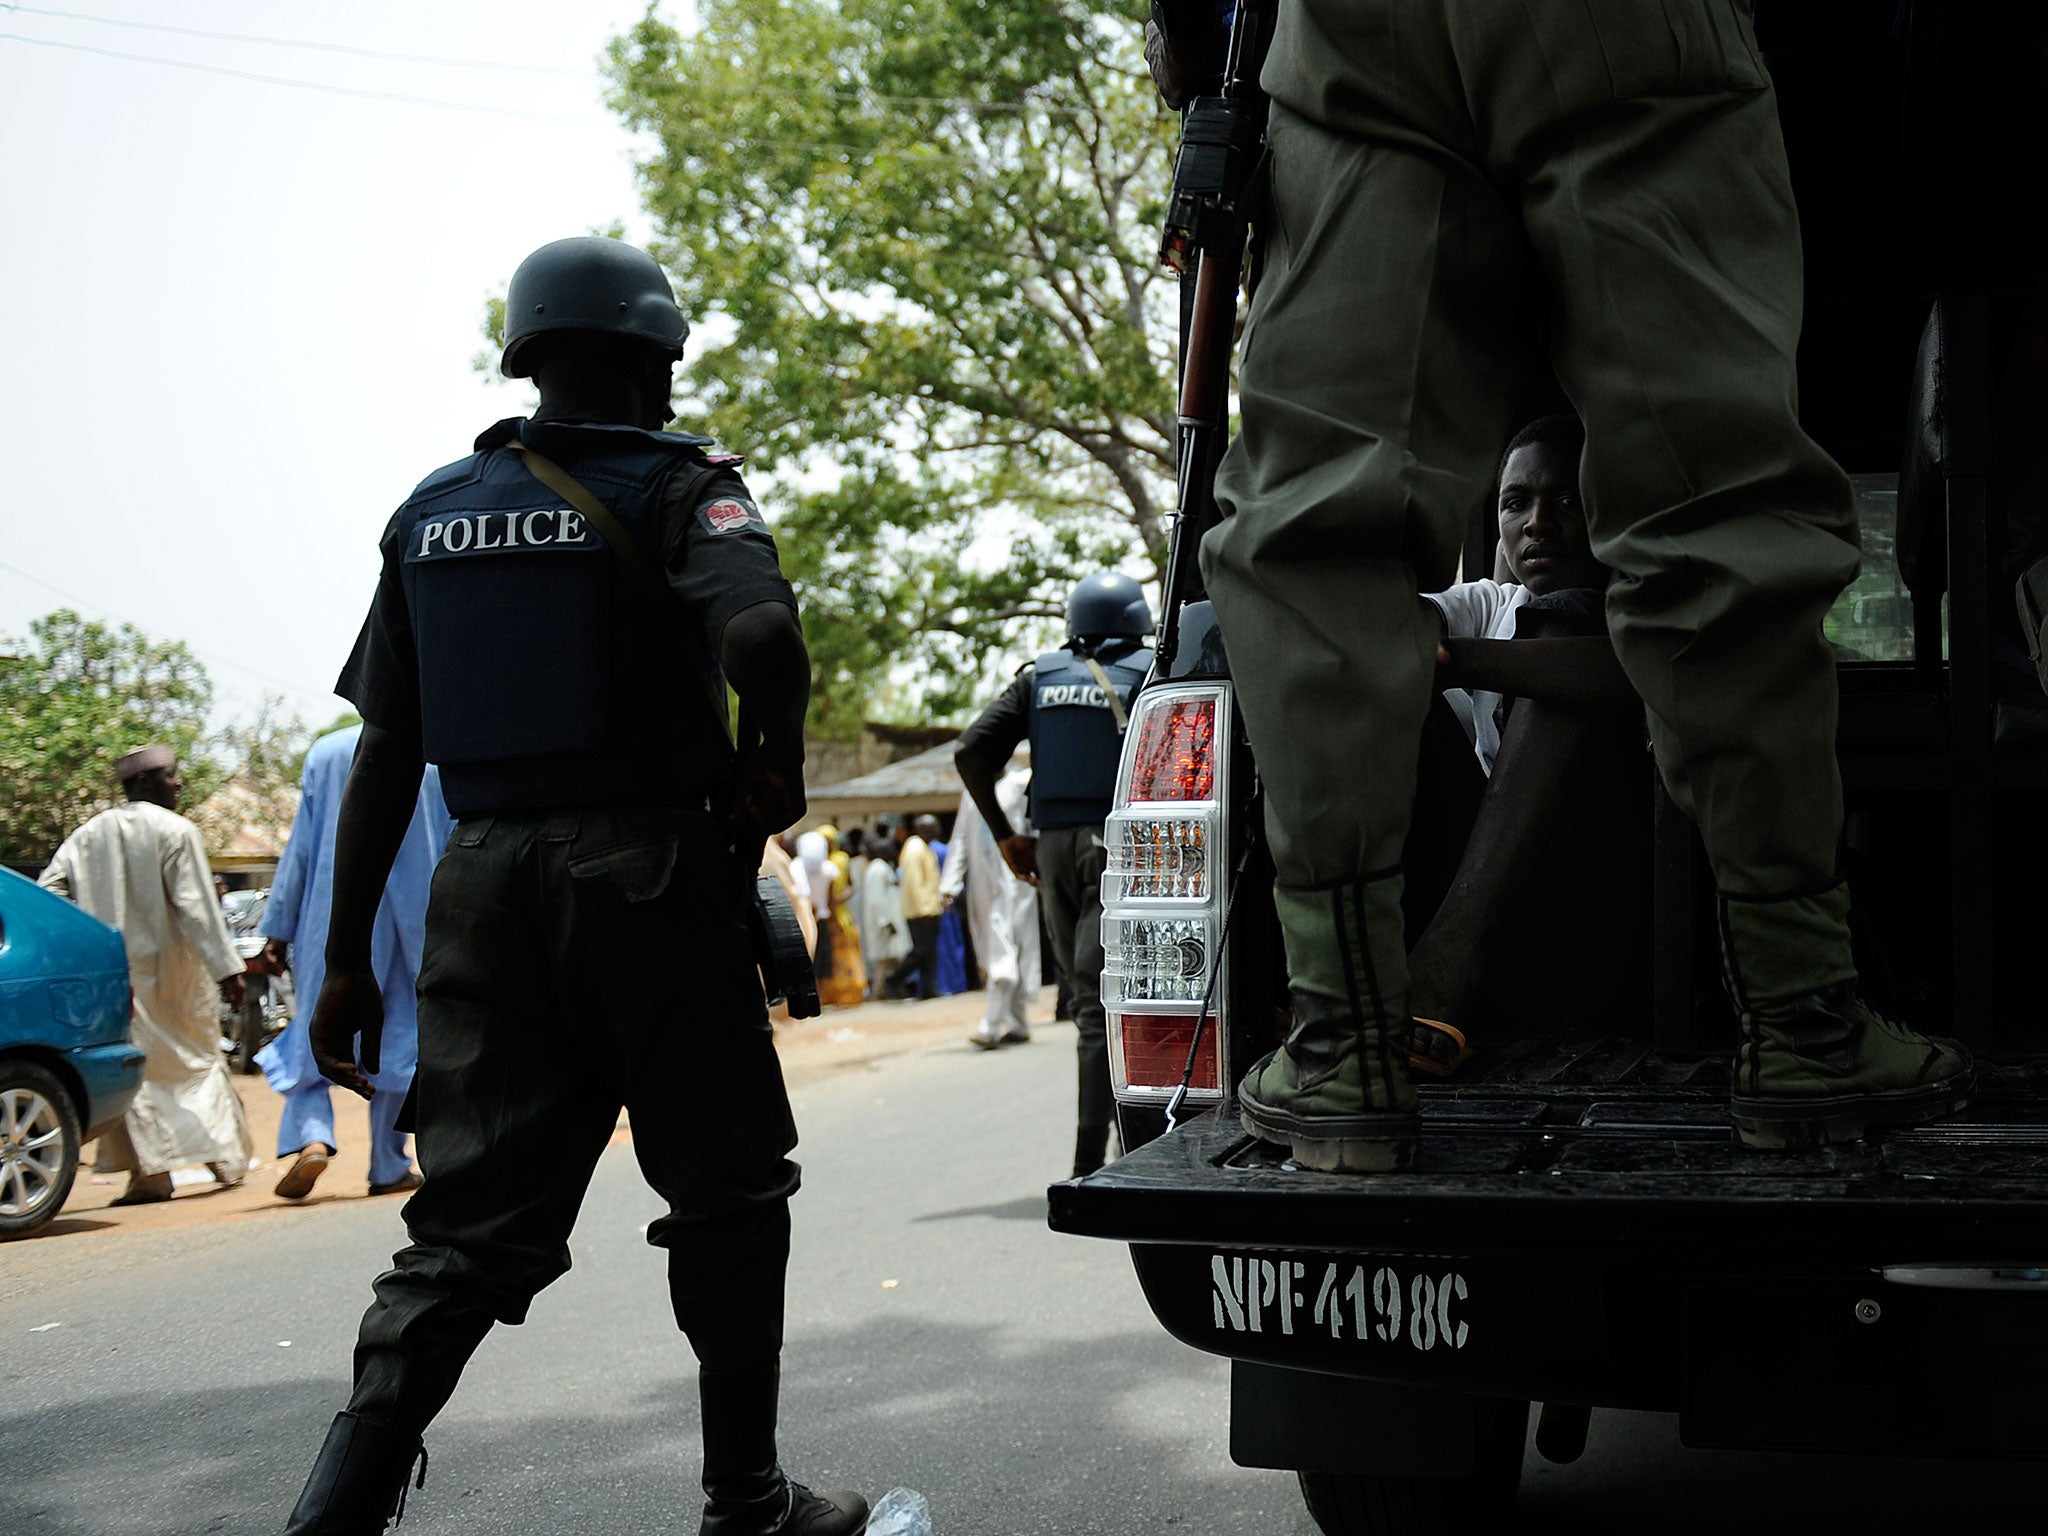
point(746, 1493)
point(1336, 1093)
point(1831, 1068)
point(1814, 1063)
point(359, 1480)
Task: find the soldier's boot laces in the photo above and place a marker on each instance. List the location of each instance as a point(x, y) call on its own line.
point(1336, 1093)
point(1834, 1068)
point(746, 1492)
point(360, 1479)
point(794, 1511)
point(1820, 1066)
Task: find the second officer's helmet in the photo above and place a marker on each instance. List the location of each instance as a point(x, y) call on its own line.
point(592, 284)
point(1105, 604)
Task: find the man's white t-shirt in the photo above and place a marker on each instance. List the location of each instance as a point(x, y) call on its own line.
point(1480, 610)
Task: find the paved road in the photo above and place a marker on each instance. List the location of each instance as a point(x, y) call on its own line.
point(940, 1337)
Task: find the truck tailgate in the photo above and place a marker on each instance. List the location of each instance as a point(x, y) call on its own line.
point(1628, 1172)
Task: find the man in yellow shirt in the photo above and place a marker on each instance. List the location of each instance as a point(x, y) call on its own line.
point(917, 867)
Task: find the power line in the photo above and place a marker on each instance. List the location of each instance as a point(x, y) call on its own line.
point(436, 101)
point(306, 43)
point(864, 97)
point(217, 659)
point(305, 85)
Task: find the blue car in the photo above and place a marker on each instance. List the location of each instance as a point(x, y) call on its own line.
point(66, 1067)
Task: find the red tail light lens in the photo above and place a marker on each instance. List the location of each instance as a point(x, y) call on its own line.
point(1155, 1051)
point(1175, 757)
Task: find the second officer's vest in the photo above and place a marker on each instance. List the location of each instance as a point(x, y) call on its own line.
point(1075, 744)
point(548, 679)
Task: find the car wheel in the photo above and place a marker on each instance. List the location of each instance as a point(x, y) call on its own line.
point(1347, 1504)
point(39, 1140)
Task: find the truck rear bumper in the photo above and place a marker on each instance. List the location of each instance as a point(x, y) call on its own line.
point(1642, 1262)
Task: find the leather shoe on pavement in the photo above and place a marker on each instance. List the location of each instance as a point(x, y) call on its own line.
point(410, 1180)
point(298, 1180)
point(805, 1513)
point(144, 1189)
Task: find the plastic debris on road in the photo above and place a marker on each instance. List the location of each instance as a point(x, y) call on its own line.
point(901, 1512)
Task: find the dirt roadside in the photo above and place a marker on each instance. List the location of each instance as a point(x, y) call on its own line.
point(839, 1039)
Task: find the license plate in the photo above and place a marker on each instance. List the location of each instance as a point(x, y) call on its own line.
point(1419, 1304)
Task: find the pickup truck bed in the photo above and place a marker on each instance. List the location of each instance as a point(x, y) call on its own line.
point(1585, 1228)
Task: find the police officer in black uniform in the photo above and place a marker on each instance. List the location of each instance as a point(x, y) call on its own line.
point(1072, 703)
point(587, 942)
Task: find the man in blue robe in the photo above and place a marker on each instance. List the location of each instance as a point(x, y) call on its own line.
point(297, 913)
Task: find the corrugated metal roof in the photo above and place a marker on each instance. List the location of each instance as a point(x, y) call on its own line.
point(925, 782)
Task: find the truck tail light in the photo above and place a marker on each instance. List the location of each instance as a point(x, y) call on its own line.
point(1164, 896)
point(1174, 756)
point(1150, 1051)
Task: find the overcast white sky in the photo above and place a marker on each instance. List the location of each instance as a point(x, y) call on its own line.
point(239, 315)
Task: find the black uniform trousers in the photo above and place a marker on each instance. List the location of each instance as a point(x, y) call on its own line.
point(1071, 861)
point(576, 964)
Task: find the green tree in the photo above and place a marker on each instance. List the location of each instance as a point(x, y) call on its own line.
point(75, 695)
point(265, 758)
point(929, 227)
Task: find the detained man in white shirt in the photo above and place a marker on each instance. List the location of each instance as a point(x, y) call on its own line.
point(1533, 796)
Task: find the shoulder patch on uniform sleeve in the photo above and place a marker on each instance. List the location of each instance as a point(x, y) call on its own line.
point(729, 514)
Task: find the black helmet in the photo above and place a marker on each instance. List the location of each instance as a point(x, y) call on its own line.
point(1108, 603)
point(589, 283)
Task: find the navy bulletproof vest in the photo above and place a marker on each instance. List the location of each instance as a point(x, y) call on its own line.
point(548, 679)
point(1075, 744)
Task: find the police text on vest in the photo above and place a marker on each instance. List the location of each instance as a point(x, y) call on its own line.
point(480, 531)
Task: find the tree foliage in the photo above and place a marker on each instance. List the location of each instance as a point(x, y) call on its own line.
point(929, 227)
point(75, 694)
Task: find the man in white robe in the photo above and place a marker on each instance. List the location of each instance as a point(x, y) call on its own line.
point(142, 868)
point(884, 936)
point(1002, 913)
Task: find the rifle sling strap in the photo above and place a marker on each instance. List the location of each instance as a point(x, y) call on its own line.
point(633, 560)
point(1109, 692)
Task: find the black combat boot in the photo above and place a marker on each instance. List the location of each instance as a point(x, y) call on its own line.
point(1831, 1067)
point(1336, 1094)
point(746, 1493)
point(1814, 1063)
point(358, 1485)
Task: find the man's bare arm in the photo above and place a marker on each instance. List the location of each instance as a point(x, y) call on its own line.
point(1577, 671)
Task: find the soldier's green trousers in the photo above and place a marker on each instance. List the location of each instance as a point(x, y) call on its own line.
point(1464, 193)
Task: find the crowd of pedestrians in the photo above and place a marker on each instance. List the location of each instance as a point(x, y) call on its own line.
point(905, 912)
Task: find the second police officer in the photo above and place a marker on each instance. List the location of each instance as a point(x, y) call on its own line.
point(556, 615)
point(1072, 703)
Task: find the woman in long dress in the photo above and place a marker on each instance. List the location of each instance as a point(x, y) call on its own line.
point(844, 981)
